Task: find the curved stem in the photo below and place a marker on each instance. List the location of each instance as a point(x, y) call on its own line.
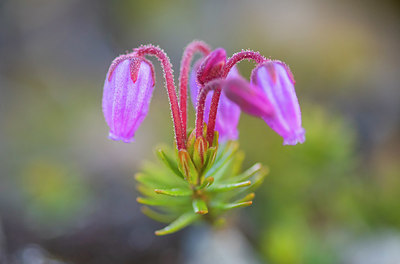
point(180, 136)
point(190, 50)
point(214, 85)
point(243, 55)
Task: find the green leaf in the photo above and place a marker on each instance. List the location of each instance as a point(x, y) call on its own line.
point(199, 206)
point(159, 180)
point(215, 140)
point(187, 167)
point(258, 179)
point(247, 198)
point(163, 218)
point(227, 206)
point(145, 190)
point(250, 172)
point(170, 163)
point(223, 160)
point(210, 156)
point(181, 222)
point(228, 186)
point(206, 182)
point(237, 164)
point(161, 202)
point(174, 192)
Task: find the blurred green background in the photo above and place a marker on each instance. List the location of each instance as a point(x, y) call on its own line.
point(67, 194)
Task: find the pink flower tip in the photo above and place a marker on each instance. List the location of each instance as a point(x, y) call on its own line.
point(275, 80)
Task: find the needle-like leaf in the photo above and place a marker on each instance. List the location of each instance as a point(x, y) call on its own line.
point(181, 222)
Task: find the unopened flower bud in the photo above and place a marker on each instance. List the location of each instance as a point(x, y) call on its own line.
point(126, 97)
point(211, 67)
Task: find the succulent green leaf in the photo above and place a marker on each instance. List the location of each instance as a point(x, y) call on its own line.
point(222, 160)
point(248, 197)
point(227, 206)
point(174, 192)
point(250, 172)
point(258, 179)
point(170, 163)
point(206, 183)
point(159, 202)
point(199, 206)
point(216, 137)
point(199, 152)
point(228, 186)
point(186, 166)
point(210, 156)
point(163, 218)
point(180, 223)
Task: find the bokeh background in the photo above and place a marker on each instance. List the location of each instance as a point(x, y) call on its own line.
point(67, 193)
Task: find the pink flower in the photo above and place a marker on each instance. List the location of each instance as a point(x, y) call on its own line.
point(126, 96)
point(272, 97)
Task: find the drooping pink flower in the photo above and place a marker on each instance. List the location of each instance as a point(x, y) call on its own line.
point(126, 96)
point(276, 80)
point(228, 112)
point(272, 97)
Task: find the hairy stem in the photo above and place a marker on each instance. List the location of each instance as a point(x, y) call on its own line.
point(243, 55)
point(189, 52)
point(214, 85)
point(212, 116)
point(180, 136)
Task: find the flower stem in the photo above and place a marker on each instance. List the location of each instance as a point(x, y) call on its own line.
point(243, 55)
point(190, 50)
point(201, 102)
point(180, 136)
point(212, 116)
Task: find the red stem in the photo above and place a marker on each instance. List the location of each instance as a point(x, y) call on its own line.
point(190, 50)
point(243, 55)
point(212, 116)
point(180, 136)
point(201, 103)
point(237, 57)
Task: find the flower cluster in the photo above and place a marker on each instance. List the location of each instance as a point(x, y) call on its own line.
point(207, 155)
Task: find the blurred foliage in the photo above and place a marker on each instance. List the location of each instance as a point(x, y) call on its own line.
point(318, 190)
point(55, 196)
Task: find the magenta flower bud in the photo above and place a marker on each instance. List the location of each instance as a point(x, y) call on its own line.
point(228, 112)
point(276, 82)
point(126, 97)
point(211, 67)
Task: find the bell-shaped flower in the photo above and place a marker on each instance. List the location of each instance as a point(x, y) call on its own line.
point(126, 96)
point(272, 97)
point(276, 81)
point(228, 113)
